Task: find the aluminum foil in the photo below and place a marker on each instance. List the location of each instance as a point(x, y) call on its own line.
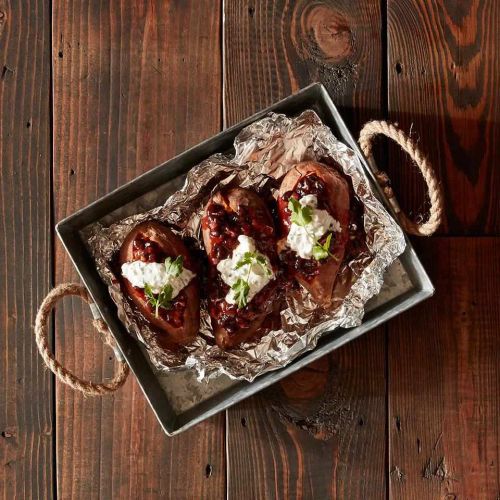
point(264, 152)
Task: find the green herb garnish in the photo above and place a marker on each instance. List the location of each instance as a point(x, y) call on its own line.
point(322, 251)
point(163, 299)
point(241, 289)
point(174, 267)
point(254, 258)
point(300, 215)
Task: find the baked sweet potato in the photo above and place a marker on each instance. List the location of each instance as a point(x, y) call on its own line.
point(332, 192)
point(153, 242)
point(229, 214)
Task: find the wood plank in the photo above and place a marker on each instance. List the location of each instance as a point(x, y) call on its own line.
point(444, 75)
point(285, 444)
point(134, 84)
point(444, 381)
point(25, 254)
point(273, 48)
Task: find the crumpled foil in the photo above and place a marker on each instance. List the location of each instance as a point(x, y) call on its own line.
point(264, 152)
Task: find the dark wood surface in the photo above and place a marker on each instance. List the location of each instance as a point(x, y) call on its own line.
point(93, 93)
point(444, 377)
point(320, 434)
point(26, 395)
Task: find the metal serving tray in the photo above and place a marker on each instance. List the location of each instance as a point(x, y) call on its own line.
point(177, 399)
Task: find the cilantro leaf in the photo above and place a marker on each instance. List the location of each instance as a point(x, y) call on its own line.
point(260, 259)
point(241, 289)
point(163, 299)
point(300, 215)
point(246, 259)
point(320, 251)
point(165, 296)
point(149, 293)
point(252, 258)
point(174, 267)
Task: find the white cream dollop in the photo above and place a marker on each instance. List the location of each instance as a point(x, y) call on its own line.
point(301, 239)
point(156, 276)
point(254, 274)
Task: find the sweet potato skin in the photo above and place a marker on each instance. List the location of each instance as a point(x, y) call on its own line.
point(228, 341)
point(232, 200)
point(338, 204)
point(169, 336)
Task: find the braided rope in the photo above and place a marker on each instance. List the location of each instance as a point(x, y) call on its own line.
point(41, 335)
point(376, 127)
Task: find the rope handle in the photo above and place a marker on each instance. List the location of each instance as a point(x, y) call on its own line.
point(41, 336)
point(376, 127)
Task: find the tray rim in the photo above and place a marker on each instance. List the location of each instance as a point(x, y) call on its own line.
point(68, 230)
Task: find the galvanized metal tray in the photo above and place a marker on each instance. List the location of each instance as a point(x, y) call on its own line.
point(178, 399)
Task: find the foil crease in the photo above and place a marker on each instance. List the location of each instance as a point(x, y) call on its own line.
point(264, 152)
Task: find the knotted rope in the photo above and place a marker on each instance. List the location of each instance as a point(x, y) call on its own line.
point(41, 335)
point(376, 127)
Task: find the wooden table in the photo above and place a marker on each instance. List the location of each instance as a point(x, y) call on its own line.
point(94, 92)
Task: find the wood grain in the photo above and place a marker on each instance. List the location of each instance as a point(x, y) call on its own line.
point(444, 75)
point(271, 456)
point(25, 273)
point(134, 84)
point(274, 48)
point(271, 50)
point(444, 378)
